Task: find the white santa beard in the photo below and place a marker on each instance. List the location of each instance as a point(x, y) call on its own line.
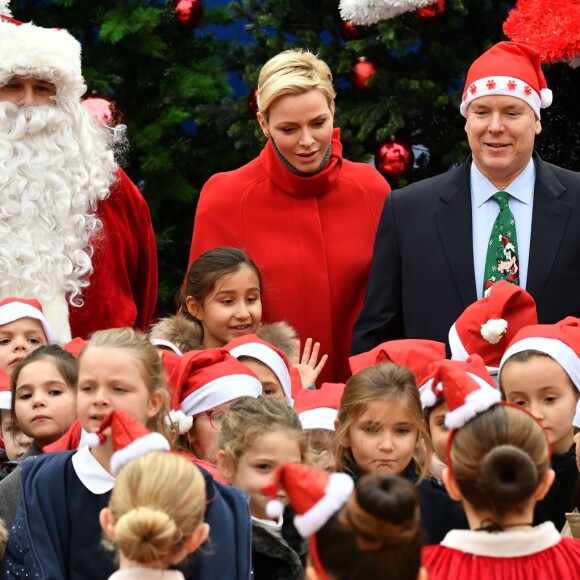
point(54, 167)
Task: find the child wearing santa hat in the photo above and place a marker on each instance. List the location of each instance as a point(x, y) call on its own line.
point(540, 370)
point(368, 531)
point(257, 436)
point(23, 327)
point(498, 460)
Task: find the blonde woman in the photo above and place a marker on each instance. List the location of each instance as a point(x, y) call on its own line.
point(305, 215)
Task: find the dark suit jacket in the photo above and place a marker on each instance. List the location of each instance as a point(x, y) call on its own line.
point(422, 277)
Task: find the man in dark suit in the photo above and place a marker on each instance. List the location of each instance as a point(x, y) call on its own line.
point(431, 246)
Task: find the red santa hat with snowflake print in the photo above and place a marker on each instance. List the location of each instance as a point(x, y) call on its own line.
point(318, 408)
point(205, 379)
point(415, 354)
point(130, 438)
point(315, 495)
point(252, 346)
point(508, 68)
point(561, 341)
point(5, 392)
point(51, 54)
point(467, 387)
point(487, 326)
point(12, 309)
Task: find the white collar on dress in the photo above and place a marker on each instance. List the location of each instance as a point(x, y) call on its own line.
point(91, 473)
point(512, 544)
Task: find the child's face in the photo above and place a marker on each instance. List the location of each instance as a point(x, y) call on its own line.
point(205, 432)
point(43, 402)
point(439, 433)
point(383, 438)
point(17, 339)
point(15, 441)
point(257, 465)
point(112, 378)
point(271, 386)
point(542, 386)
point(233, 308)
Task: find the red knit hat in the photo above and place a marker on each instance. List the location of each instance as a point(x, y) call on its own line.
point(131, 439)
point(415, 354)
point(467, 387)
point(561, 341)
point(315, 495)
point(5, 392)
point(253, 346)
point(508, 68)
point(12, 309)
point(205, 379)
point(488, 325)
point(318, 408)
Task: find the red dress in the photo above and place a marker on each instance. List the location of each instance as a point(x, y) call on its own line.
point(312, 238)
point(541, 554)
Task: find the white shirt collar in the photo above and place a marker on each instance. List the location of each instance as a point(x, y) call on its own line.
point(514, 544)
point(91, 473)
point(522, 187)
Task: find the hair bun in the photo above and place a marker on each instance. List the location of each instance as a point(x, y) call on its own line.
point(507, 475)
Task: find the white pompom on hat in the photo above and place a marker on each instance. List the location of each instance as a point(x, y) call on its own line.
point(487, 326)
point(12, 309)
point(466, 386)
point(511, 69)
point(130, 438)
point(51, 54)
point(561, 341)
point(315, 495)
point(318, 408)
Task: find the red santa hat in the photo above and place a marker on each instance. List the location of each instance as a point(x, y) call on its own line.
point(75, 346)
point(130, 438)
point(318, 408)
point(12, 309)
point(488, 325)
point(205, 379)
point(561, 341)
point(5, 391)
point(315, 495)
point(415, 354)
point(52, 54)
point(467, 387)
point(254, 347)
point(508, 68)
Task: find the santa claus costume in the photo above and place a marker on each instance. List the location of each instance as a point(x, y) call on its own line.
point(75, 232)
point(312, 238)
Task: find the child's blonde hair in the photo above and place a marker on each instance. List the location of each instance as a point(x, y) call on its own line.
point(157, 503)
point(250, 418)
point(153, 373)
point(290, 73)
point(383, 382)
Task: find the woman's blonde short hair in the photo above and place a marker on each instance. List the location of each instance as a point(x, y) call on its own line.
point(290, 73)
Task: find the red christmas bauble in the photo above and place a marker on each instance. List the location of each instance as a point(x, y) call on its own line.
point(431, 11)
point(349, 30)
point(104, 110)
point(253, 101)
point(361, 73)
point(189, 13)
point(394, 160)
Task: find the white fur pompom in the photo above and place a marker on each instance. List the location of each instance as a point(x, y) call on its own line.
point(546, 98)
point(274, 508)
point(428, 398)
point(372, 11)
point(493, 330)
point(93, 440)
point(179, 421)
point(4, 8)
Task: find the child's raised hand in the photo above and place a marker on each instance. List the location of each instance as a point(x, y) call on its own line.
point(306, 365)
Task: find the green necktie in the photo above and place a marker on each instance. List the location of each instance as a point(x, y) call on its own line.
point(501, 262)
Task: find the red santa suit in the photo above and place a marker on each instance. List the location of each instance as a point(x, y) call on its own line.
point(541, 554)
point(122, 288)
point(312, 238)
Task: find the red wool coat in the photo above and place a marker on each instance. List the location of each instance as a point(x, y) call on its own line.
point(123, 285)
point(312, 238)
